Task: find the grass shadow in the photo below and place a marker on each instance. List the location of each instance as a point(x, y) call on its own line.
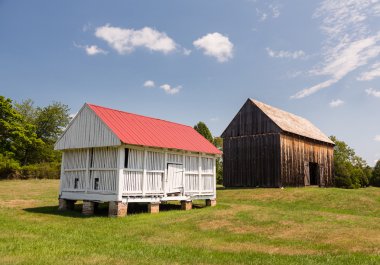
point(102, 209)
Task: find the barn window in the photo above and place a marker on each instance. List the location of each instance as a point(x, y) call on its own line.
point(96, 183)
point(126, 158)
point(76, 181)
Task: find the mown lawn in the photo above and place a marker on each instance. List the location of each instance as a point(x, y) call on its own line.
point(249, 226)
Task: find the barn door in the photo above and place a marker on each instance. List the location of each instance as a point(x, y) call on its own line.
point(174, 178)
point(307, 173)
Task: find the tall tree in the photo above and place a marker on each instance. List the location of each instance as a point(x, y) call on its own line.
point(375, 178)
point(16, 135)
point(51, 121)
point(202, 128)
point(351, 171)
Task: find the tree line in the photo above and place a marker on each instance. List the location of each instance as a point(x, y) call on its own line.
point(28, 134)
point(27, 137)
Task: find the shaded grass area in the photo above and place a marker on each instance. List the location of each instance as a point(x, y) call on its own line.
point(249, 226)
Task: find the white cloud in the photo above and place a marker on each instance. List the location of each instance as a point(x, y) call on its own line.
point(170, 90)
point(271, 10)
point(377, 138)
point(275, 10)
point(186, 51)
point(125, 40)
point(371, 74)
point(336, 103)
point(91, 49)
point(215, 45)
point(349, 42)
point(149, 83)
point(373, 92)
point(86, 27)
point(293, 74)
point(214, 119)
point(285, 54)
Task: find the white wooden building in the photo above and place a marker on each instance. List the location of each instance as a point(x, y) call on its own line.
point(118, 157)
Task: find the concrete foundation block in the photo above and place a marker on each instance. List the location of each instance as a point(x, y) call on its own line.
point(88, 207)
point(64, 204)
point(117, 209)
point(186, 205)
point(154, 207)
point(211, 202)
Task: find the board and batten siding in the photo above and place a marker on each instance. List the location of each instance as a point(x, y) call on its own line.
point(251, 161)
point(87, 130)
point(297, 153)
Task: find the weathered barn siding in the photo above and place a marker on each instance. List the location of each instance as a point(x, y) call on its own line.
point(250, 120)
point(297, 153)
point(251, 161)
point(268, 147)
point(87, 130)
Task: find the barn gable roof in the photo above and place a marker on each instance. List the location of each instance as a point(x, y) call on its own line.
point(140, 130)
point(289, 122)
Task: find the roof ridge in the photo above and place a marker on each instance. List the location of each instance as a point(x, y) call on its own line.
point(122, 111)
point(254, 100)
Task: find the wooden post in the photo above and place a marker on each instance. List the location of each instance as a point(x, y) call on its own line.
point(165, 178)
point(87, 176)
point(183, 174)
point(214, 173)
point(120, 173)
point(199, 172)
point(62, 172)
point(144, 172)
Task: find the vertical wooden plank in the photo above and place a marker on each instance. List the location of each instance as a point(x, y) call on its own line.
point(199, 172)
point(143, 182)
point(120, 173)
point(165, 177)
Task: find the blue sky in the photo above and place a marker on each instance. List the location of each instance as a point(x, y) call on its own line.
point(316, 59)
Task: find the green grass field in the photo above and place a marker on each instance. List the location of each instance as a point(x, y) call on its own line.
point(249, 226)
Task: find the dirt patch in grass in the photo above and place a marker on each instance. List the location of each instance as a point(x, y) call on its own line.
point(19, 203)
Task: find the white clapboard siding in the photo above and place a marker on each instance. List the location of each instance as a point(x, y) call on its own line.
point(86, 130)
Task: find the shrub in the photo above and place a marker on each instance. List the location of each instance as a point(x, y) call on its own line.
point(41, 171)
point(8, 166)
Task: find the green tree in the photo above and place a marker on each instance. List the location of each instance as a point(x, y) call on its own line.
point(375, 178)
point(16, 135)
point(27, 110)
point(202, 128)
point(51, 121)
point(351, 171)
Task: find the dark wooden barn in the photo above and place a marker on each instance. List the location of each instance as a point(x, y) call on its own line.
point(267, 147)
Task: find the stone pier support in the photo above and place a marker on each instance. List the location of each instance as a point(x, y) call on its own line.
point(154, 207)
point(117, 209)
point(211, 202)
point(65, 204)
point(186, 205)
point(88, 207)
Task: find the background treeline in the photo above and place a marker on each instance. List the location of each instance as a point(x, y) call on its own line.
point(28, 134)
point(27, 137)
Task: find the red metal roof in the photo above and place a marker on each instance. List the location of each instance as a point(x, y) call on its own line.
point(141, 130)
